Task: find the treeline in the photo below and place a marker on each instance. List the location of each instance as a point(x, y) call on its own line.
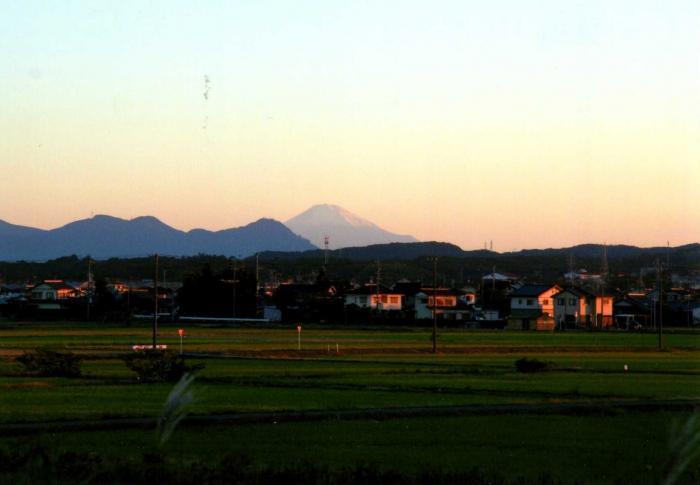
point(391, 262)
point(76, 268)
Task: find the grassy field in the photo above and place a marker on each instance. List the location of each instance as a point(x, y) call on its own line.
point(381, 398)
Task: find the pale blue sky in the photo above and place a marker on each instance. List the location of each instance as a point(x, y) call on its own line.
point(386, 108)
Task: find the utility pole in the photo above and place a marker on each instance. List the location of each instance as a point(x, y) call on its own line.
point(89, 289)
point(257, 271)
point(155, 304)
point(603, 282)
point(257, 286)
point(128, 300)
point(235, 263)
point(659, 289)
point(379, 274)
point(434, 305)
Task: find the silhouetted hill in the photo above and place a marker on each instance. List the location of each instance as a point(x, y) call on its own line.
point(391, 251)
point(13, 230)
point(408, 251)
point(594, 251)
point(106, 236)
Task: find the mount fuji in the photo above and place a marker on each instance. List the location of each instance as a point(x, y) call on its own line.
point(343, 228)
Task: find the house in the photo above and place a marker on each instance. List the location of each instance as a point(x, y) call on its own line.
point(576, 307)
point(582, 275)
point(374, 297)
point(307, 301)
point(52, 294)
point(500, 281)
point(670, 296)
point(12, 292)
point(532, 307)
point(603, 310)
point(573, 308)
point(447, 304)
point(630, 312)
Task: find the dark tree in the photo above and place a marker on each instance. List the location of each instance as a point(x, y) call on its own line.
point(225, 294)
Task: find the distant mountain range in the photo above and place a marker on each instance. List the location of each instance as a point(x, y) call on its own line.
point(104, 237)
point(357, 239)
point(343, 228)
point(410, 251)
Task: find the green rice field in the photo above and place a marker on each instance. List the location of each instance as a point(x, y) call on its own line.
point(604, 412)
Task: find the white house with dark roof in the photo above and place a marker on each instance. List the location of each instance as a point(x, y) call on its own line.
point(532, 307)
point(448, 304)
point(575, 307)
point(369, 296)
point(572, 307)
point(49, 294)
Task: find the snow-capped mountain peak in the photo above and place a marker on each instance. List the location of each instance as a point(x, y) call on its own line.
point(344, 228)
point(322, 214)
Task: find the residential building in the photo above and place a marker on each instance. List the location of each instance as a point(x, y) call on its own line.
point(500, 281)
point(376, 298)
point(572, 308)
point(532, 307)
point(448, 304)
point(52, 294)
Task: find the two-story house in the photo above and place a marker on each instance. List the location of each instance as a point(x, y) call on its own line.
point(572, 308)
point(446, 303)
point(532, 307)
point(376, 298)
point(576, 307)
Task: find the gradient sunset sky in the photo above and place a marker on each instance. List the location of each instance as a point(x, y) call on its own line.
point(529, 123)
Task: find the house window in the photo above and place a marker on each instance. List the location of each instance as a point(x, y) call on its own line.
point(530, 302)
point(545, 302)
point(572, 301)
point(520, 301)
point(560, 301)
point(384, 299)
point(394, 300)
point(363, 300)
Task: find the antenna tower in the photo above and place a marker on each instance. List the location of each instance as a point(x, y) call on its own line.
point(326, 242)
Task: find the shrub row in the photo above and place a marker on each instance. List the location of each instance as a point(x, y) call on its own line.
point(149, 365)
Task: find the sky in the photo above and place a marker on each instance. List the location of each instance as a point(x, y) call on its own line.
point(526, 123)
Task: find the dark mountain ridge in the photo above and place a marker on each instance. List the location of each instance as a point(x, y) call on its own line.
point(105, 236)
point(409, 251)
